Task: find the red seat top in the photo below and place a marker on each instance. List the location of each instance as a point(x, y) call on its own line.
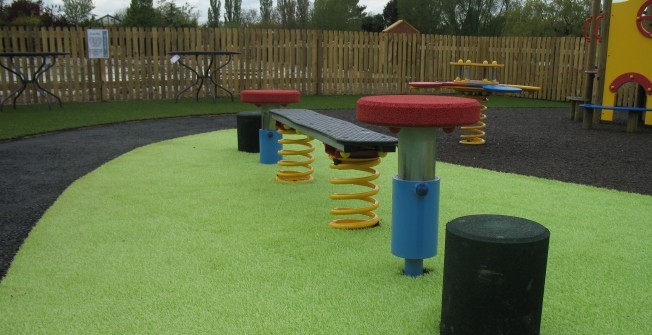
point(260, 97)
point(418, 111)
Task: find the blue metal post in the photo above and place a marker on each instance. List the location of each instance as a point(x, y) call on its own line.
point(415, 204)
point(268, 137)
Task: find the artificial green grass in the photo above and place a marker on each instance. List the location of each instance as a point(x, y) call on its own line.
point(28, 120)
point(192, 236)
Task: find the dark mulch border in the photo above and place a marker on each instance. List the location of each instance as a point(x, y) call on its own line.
point(539, 142)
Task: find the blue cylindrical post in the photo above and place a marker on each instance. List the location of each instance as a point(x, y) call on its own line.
point(268, 137)
point(269, 146)
point(415, 217)
point(415, 203)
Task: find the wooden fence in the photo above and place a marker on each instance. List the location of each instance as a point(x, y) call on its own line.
point(314, 62)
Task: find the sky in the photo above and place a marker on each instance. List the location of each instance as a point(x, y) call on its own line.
point(103, 7)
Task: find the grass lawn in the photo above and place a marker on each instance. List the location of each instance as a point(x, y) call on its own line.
point(192, 236)
point(28, 120)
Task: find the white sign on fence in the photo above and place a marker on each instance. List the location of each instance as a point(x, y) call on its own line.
point(98, 43)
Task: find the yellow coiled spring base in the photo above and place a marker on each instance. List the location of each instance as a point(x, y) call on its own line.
point(294, 176)
point(477, 134)
point(360, 164)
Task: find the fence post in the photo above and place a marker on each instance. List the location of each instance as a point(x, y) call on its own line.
point(318, 64)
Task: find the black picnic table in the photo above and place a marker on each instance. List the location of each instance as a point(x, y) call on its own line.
point(47, 59)
point(207, 73)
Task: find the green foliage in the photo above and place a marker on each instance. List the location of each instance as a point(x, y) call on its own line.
point(422, 14)
point(29, 13)
point(337, 15)
point(546, 18)
point(390, 13)
point(77, 11)
point(266, 9)
point(494, 17)
point(249, 18)
point(214, 10)
point(303, 13)
point(232, 12)
point(141, 13)
point(173, 16)
point(287, 13)
point(29, 21)
point(374, 23)
point(568, 16)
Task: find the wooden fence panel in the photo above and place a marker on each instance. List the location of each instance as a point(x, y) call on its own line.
point(314, 62)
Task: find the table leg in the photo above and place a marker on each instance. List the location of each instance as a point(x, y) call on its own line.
point(44, 67)
point(218, 85)
point(23, 82)
point(15, 92)
point(206, 74)
point(40, 90)
point(176, 98)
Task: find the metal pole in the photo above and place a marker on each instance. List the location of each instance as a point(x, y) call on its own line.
point(416, 154)
point(416, 162)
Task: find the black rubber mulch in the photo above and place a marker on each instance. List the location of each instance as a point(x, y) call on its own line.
point(531, 141)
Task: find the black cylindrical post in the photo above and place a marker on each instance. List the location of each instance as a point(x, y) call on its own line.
point(494, 275)
point(248, 124)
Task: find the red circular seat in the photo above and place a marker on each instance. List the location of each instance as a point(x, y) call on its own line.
point(261, 97)
point(418, 111)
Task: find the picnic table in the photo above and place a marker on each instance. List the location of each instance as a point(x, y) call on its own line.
point(45, 60)
point(201, 74)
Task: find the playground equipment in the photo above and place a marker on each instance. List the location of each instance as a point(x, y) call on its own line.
point(350, 147)
point(415, 190)
point(268, 136)
point(362, 164)
point(476, 89)
point(624, 32)
point(494, 276)
point(294, 176)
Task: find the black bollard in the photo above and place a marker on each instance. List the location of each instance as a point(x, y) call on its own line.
point(494, 276)
point(248, 124)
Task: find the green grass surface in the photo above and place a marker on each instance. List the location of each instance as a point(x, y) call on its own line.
point(36, 119)
point(192, 236)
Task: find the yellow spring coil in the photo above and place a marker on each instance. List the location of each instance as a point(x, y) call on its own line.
point(294, 176)
point(477, 134)
point(364, 165)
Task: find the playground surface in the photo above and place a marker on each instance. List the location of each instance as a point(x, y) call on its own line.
point(189, 233)
point(540, 142)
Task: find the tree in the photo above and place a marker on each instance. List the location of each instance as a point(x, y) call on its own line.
point(170, 15)
point(249, 18)
point(287, 13)
point(31, 13)
point(141, 13)
point(546, 18)
point(266, 9)
point(232, 12)
point(390, 13)
point(375, 23)
point(303, 13)
point(77, 11)
point(476, 17)
point(566, 15)
point(337, 14)
point(422, 14)
point(214, 13)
